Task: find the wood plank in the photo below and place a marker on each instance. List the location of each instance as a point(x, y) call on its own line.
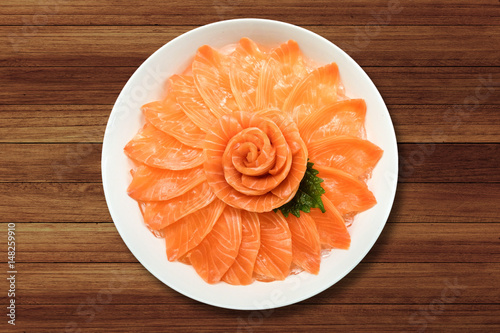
point(100, 242)
point(80, 162)
point(415, 202)
point(344, 12)
point(130, 46)
point(86, 123)
point(101, 85)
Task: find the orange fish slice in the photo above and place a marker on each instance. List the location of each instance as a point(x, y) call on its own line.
point(168, 117)
point(211, 77)
point(248, 59)
point(275, 253)
point(347, 193)
point(353, 155)
point(152, 184)
point(341, 118)
point(241, 271)
point(284, 68)
point(157, 149)
point(217, 252)
point(189, 231)
point(159, 214)
point(318, 88)
point(306, 248)
point(331, 226)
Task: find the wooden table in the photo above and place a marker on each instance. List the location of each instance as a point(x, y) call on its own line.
point(436, 265)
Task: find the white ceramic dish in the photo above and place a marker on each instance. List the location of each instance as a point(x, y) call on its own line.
point(146, 85)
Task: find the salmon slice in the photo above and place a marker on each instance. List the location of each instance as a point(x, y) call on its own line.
point(331, 226)
point(191, 102)
point(275, 253)
point(168, 117)
point(152, 184)
point(211, 77)
point(353, 155)
point(284, 69)
point(241, 271)
point(347, 193)
point(248, 59)
point(159, 214)
point(318, 88)
point(160, 150)
point(306, 248)
point(218, 250)
point(189, 231)
point(341, 118)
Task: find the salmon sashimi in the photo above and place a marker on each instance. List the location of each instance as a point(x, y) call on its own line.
point(211, 77)
point(153, 184)
point(241, 271)
point(331, 227)
point(318, 88)
point(353, 155)
point(218, 250)
point(160, 150)
point(284, 68)
point(347, 193)
point(275, 253)
point(346, 117)
point(248, 59)
point(191, 102)
point(189, 231)
point(159, 214)
point(306, 248)
point(168, 117)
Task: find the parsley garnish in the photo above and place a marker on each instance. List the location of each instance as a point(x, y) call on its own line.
point(308, 195)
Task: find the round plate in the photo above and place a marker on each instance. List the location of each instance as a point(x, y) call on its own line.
point(147, 84)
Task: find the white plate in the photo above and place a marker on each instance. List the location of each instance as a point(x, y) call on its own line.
point(146, 85)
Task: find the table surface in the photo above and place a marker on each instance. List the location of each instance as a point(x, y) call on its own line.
point(435, 266)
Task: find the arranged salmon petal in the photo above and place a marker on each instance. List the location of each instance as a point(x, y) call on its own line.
point(217, 252)
point(331, 226)
point(152, 184)
point(189, 231)
point(247, 61)
point(241, 271)
point(346, 117)
point(168, 117)
point(211, 76)
point(306, 248)
point(159, 214)
point(347, 153)
point(347, 193)
point(274, 258)
point(157, 149)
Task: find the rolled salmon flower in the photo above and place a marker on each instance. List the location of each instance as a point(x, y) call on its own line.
point(255, 161)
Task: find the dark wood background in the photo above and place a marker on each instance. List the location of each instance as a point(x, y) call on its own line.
point(436, 63)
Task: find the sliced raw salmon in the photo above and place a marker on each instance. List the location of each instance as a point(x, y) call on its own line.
point(211, 76)
point(350, 154)
point(247, 62)
point(284, 68)
point(346, 117)
point(168, 117)
point(241, 271)
point(218, 250)
point(159, 214)
point(152, 184)
point(189, 231)
point(306, 248)
point(318, 88)
point(347, 193)
point(275, 253)
point(160, 150)
point(331, 226)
